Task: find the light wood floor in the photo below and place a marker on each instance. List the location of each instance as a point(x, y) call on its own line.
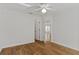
point(39, 48)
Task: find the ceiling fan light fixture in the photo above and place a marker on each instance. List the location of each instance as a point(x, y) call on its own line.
point(43, 11)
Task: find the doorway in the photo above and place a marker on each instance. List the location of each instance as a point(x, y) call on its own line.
point(37, 30)
point(47, 31)
point(45, 36)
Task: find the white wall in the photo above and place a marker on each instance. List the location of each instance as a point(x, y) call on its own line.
point(66, 27)
point(15, 27)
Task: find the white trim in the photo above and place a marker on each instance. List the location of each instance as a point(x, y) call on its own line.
point(65, 45)
point(12, 45)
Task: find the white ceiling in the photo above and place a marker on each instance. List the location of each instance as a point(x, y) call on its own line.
point(57, 6)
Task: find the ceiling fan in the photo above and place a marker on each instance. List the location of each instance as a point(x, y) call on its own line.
point(44, 7)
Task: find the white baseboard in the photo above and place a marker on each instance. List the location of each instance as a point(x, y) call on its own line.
point(65, 45)
point(12, 45)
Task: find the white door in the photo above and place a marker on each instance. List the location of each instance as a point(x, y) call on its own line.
point(37, 30)
point(47, 32)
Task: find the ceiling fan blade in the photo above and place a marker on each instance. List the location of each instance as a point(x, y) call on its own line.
point(51, 9)
point(26, 5)
point(48, 8)
point(37, 9)
point(47, 5)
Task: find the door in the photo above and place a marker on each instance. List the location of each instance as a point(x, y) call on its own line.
point(47, 32)
point(37, 30)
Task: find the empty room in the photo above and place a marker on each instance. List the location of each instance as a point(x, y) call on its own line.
point(39, 28)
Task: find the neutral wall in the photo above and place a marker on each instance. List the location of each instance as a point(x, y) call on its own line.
point(66, 27)
point(15, 27)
